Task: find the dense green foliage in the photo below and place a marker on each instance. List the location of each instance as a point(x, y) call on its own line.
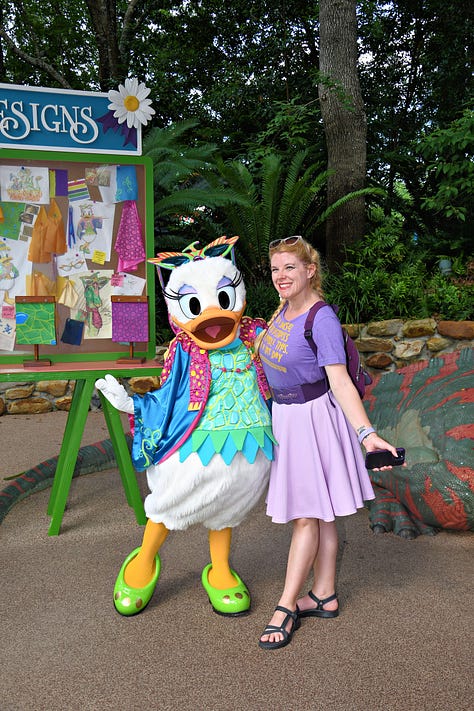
point(449, 190)
point(390, 275)
point(234, 87)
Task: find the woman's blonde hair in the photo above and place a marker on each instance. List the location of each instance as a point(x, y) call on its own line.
point(307, 254)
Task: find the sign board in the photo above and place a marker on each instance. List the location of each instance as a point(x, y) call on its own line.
point(76, 224)
point(76, 229)
point(64, 120)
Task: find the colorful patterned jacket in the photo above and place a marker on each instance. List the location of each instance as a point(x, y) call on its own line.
point(165, 418)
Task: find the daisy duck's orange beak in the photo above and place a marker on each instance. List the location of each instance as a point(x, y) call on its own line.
point(213, 328)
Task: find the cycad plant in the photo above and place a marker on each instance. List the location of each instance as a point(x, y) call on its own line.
point(271, 200)
point(274, 201)
point(179, 161)
point(175, 155)
point(259, 200)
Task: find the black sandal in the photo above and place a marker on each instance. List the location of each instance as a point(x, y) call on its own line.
point(318, 610)
point(271, 629)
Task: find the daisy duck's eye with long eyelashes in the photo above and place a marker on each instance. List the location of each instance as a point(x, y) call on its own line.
point(226, 297)
point(189, 304)
point(171, 295)
point(226, 292)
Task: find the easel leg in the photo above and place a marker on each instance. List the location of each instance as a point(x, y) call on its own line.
point(122, 454)
point(69, 450)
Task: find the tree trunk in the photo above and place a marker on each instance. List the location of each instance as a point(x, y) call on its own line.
point(345, 125)
point(103, 15)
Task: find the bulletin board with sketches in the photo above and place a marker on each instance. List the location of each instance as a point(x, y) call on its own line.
point(75, 235)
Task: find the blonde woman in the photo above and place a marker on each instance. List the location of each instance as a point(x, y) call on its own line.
point(319, 422)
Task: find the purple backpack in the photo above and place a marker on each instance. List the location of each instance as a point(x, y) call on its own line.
point(359, 376)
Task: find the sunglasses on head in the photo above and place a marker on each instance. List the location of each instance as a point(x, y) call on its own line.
point(286, 240)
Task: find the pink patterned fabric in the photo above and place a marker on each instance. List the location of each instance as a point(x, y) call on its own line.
point(129, 244)
point(248, 334)
point(129, 321)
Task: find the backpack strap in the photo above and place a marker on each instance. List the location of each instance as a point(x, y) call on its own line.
point(308, 324)
point(308, 334)
point(358, 375)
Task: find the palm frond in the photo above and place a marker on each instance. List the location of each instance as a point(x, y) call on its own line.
point(188, 199)
point(346, 198)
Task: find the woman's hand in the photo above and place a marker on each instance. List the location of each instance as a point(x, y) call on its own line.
point(348, 398)
point(373, 442)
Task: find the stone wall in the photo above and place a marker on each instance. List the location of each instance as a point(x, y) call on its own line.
point(389, 345)
point(383, 345)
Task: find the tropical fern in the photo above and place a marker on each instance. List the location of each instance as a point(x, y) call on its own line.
point(277, 199)
point(261, 200)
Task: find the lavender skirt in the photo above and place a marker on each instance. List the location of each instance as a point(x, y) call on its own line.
point(318, 470)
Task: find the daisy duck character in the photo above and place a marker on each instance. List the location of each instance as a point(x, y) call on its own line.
point(204, 437)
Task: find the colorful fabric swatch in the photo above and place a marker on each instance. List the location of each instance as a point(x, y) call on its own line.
point(36, 320)
point(73, 332)
point(129, 243)
point(58, 186)
point(129, 319)
point(127, 186)
point(11, 224)
point(78, 190)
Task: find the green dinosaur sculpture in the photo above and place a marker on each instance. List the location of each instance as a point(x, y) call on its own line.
point(428, 408)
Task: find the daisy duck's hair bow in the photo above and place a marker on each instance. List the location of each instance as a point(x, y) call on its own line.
point(220, 247)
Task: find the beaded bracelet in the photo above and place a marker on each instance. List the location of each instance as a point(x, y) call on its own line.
point(362, 434)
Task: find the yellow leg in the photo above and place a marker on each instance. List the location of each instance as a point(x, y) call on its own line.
point(220, 576)
point(140, 570)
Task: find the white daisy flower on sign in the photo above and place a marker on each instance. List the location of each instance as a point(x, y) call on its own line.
point(130, 104)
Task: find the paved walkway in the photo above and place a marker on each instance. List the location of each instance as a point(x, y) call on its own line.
point(403, 641)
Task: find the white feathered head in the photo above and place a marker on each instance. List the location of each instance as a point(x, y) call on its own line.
point(205, 293)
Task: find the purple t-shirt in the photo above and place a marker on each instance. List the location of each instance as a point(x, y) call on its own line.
point(287, 357)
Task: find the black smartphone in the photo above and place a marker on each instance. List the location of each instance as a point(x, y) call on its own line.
point(384, 458)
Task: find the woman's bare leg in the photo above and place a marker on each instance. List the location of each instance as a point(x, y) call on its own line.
point(324, 568)
point(303, 550)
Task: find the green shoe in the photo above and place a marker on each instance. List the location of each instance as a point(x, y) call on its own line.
point(130, 601)
point(232, 601)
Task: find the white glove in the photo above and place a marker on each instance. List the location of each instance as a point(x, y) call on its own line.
point(115, 394)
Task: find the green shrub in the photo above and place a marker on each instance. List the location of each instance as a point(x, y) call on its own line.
point(387, 275)
point(449, 300)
